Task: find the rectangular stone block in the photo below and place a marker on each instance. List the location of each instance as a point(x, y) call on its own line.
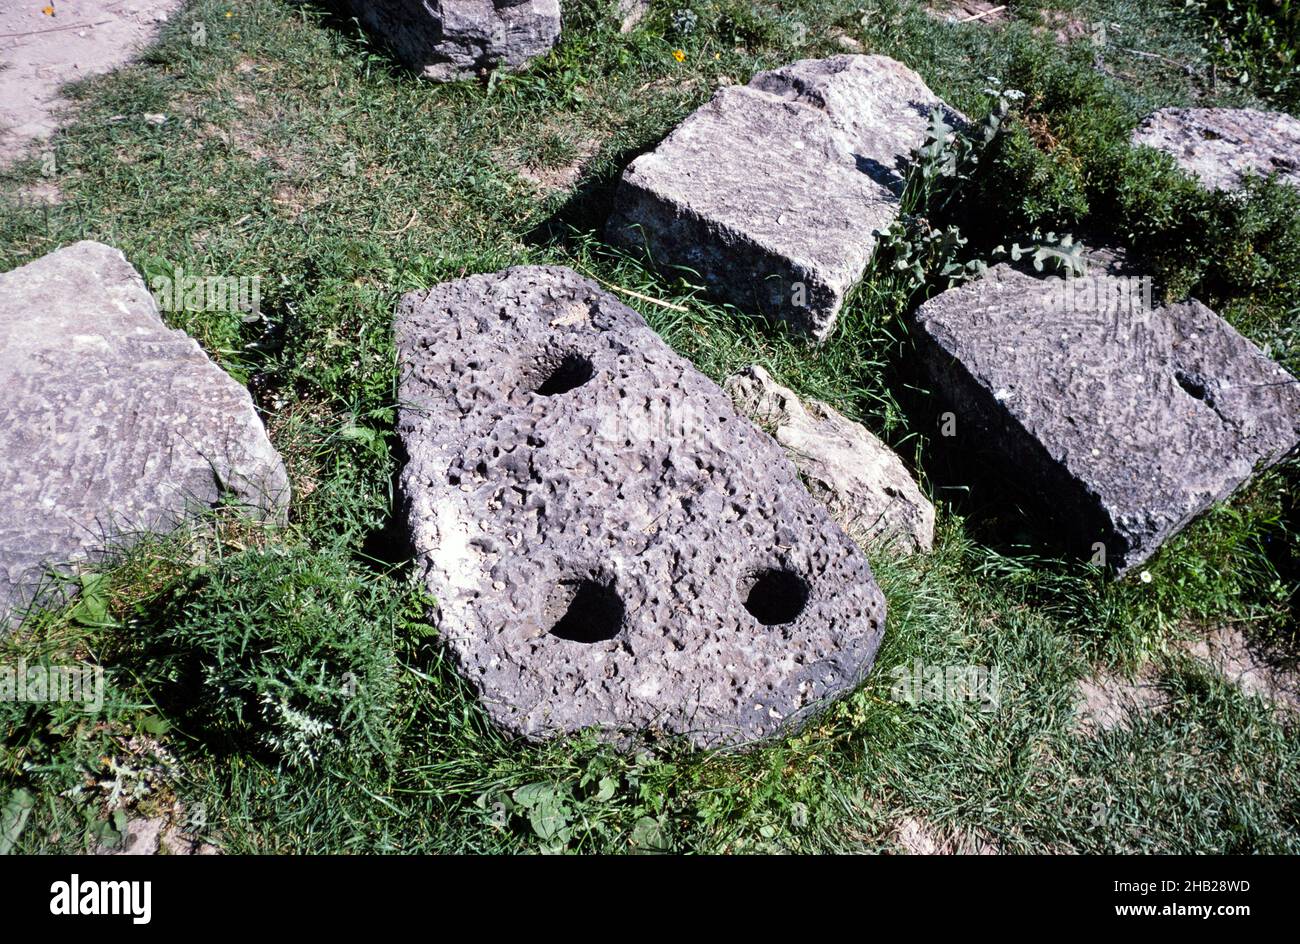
point(1125, 419)
point(859, 479)
point(446, 40)
point(112, 424)
point(1221, 147)
point(772, 192)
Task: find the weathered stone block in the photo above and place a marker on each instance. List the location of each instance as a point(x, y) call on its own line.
point(1127, 420)
point(112, 424)
point(772, 192)
point(447, 40)
point(1220, 146)
point(857, 477)
point(630, 13)
point(609, 543)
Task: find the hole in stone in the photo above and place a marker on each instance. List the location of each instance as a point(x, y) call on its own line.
point(594, 614)
point(774, 596)
point(1191, 385)
point(572, 371)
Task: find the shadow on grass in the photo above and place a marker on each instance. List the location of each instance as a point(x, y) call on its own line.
point(588, 207)
point(388, 549)
point(336, 15)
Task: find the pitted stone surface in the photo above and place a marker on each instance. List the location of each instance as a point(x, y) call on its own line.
point(111, 423)
point(1126, 419)
point(1220, 146)
point(772, 192)
point(447, 40)
point(864, 484)
point(569, 479)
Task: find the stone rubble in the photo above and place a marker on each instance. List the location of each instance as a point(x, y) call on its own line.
point(864, 484)
point(1220, 147)
point(448, 40)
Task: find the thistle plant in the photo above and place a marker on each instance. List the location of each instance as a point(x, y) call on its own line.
point(927, 255)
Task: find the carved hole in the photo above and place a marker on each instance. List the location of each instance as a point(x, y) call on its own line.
point(572, 371)
point(594, 611)
point(774, 596)
point(1191, 385)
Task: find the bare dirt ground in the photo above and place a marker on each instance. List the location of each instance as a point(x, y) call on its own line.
point(917, 837)
point(1251, 667)
point(45, 44)
point(159, 835)
point(1109, 700)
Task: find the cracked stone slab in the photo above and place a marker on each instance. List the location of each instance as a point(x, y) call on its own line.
point(610, 544)
point(864, 484)
point(446, 40)
point(772, 192)
point(1222, 146)
point(1125, 419)
point(112, 423)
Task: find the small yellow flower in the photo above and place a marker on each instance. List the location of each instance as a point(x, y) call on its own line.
point(679, 55)
point(48, 9)
point(229, 14)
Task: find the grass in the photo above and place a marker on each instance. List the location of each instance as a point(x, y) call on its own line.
point(1254, 43)
point(294, 150)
